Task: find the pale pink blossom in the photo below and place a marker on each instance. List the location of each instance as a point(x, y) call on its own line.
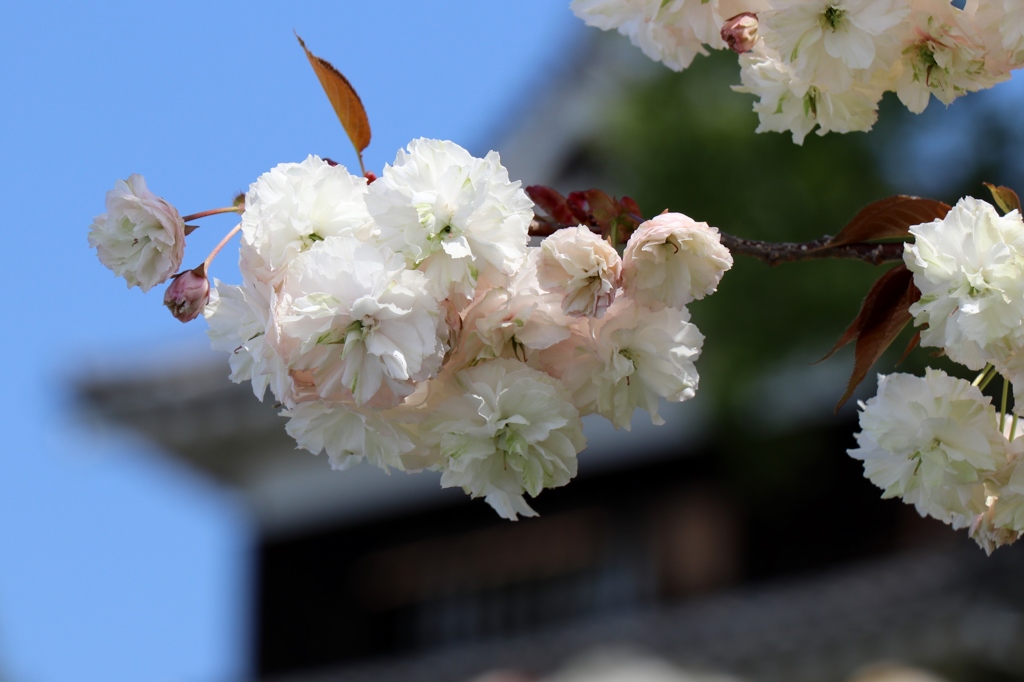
point(141, 237)
point(671, 260)
point(512, 321)
point(582, 268)
point(632, 357)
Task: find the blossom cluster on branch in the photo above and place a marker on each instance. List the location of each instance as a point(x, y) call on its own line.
point(937, 441)
point(408, 321)
point(827, 63)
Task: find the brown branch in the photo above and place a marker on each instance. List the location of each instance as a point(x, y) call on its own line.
point(774, 253)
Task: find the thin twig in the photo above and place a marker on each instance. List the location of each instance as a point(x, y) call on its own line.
point(774, 253)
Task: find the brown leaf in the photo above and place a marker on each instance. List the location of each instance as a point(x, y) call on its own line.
point(632, 208)
point(344, 99)
point(577, 202)
point(890, 217)
point(915, 340)
point(603, 208)
point(1005, 198)
point(553, 203)
point(884, 314)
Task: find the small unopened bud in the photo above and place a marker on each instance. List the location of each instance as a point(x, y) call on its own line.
point(740, 32)
point(188, 293)
point(370, 176)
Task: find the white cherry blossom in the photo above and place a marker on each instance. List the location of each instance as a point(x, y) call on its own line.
point(141, 237)
point(656, 28)
point(969, 267)
point(239, 318)
point(349, 434)
point(510, 431)
point(788, 103)
point(944, 57)
point(294, 205)
point(359, 322)
point(931, 440)
point(455, 217)
point(631, 358)
point(827, 41)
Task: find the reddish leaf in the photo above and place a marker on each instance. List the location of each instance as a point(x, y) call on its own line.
point(603, 208)
point(1005, 198)
point(911, 345)
point(884, 314)
point(553, 203)
point(614, 218)
point(632, 208)
point(344, 99)
point(580, 209)
point(891, 217)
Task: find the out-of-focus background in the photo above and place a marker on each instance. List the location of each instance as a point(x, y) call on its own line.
point(157, 524)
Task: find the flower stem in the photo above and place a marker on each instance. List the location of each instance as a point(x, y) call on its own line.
point(216, 249)
point(212, 211)
point(991, 374)
point(1013, 427)
point(1002, 409)
point(984, 373)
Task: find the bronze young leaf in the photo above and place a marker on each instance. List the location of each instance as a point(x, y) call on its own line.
point(884, 314)
point(1006, 199)
point(887, 218)
point(345, 101)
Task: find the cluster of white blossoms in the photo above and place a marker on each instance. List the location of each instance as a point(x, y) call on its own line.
point(407, 321)
point(937, 442)
point(827, 63)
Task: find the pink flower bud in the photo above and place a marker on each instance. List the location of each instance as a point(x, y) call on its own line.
point(740, 32)
point(188, 293)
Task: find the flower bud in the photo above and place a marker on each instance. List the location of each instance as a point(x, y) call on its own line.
point(188, 293)
point(740, 32)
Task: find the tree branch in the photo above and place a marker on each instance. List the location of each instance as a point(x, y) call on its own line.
point(774, 253)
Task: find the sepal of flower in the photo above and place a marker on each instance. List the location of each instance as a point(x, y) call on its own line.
point(141, 237)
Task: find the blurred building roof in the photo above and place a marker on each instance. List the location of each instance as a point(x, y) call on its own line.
point(947, 610)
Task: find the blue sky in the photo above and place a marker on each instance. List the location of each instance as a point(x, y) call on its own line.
point(116, 564)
